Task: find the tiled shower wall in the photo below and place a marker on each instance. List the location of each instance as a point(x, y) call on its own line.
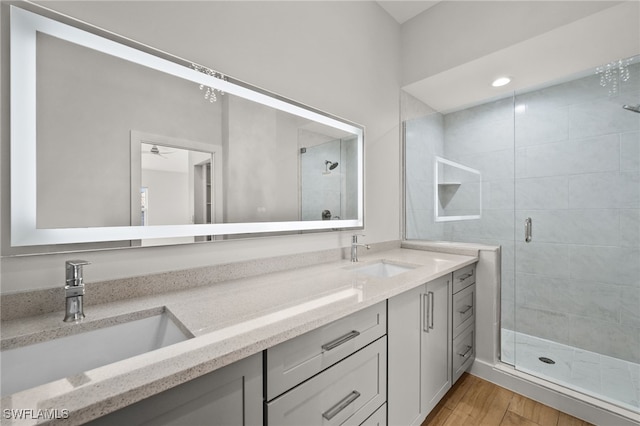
point(568, 157)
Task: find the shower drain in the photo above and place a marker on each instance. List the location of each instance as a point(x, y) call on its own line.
point(546, 360)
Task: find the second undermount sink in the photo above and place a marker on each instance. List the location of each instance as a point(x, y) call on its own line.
point(29, 366)
point(382, 269)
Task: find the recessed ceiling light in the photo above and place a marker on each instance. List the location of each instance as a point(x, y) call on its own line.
point(501, 81)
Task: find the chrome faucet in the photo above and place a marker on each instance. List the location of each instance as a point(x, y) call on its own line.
point(355, 245)
point(74, 290)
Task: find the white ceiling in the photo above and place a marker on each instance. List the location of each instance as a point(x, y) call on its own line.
point(402, 10)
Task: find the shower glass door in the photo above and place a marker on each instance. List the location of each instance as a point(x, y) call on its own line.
point(576, 315)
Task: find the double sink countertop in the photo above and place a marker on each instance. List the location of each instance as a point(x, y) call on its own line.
point(229, 321)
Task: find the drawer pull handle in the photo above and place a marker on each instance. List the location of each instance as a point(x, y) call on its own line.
point(340, 340)
point(465, 276)
point(344, 403)
point(467, 352)
point(465, 310)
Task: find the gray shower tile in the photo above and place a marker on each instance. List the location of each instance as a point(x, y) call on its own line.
point(630, 151)
point(591, 155)
point(612, 265)
point(542, 193)
point(601, 117)
point(499, 194)
point(478, 138)
point(551, 260)
point(494, 165)
point(539, 126)
point(604, 190)
point(593, 300)
point(629, 304)
point(547, 325)
point(500, 110)
point(598, 336)
point(576, 91)
point(629, 227)
point(593, 227)
point(541, 292)
point(419, 194)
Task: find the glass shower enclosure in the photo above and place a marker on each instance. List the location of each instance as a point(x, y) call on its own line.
point(560, 193)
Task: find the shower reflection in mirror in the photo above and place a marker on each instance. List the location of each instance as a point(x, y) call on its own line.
point(458, 191)
point(327, 177)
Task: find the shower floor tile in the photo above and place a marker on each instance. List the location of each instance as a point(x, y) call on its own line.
point(610, 379)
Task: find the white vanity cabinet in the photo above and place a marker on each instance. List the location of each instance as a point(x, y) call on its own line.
point(334, 375)
point(229, 396)
point(419, 335)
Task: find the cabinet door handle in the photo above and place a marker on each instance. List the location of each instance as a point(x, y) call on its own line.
point(425, 312)
point(528, 230)
point(340, 340)
point(465, 310)
point(344, 403)
point(431, 299)
point(467, 352)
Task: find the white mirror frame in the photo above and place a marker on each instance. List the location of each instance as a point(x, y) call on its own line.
point(24, 26)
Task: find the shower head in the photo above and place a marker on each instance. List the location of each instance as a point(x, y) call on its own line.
point(331, 164)
point(634, 108)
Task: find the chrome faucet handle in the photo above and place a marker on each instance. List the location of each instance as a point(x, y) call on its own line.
point(73, 270)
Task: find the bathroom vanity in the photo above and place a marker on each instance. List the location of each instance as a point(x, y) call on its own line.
point(310, 343)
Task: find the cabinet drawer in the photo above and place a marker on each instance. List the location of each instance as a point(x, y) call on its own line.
point(464, 351)
point(379, 418)
point(464, 307)
point(345, 394)
point(464, 277)
point(295, 360)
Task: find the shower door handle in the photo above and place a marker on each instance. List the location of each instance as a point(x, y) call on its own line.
point(528, 229)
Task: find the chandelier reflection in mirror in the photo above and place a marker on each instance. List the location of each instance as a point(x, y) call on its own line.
point(613, 73)
point(210, 92)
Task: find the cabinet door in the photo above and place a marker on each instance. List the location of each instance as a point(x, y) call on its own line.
point(436, 342)
point(229, 396)
point(404, 335)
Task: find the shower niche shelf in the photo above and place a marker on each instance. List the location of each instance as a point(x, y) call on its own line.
point(446, 191)
point(458, 191)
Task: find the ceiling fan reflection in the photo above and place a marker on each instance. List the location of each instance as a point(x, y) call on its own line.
point(156, 151)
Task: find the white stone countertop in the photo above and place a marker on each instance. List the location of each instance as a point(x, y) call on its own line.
point(229, 321)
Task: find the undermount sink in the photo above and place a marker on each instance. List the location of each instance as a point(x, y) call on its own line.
point(29, 366)
point(382, 269)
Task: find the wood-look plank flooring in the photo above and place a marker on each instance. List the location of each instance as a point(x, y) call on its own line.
point(474, 401)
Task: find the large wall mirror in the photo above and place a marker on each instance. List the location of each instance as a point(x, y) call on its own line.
point(110, 143)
